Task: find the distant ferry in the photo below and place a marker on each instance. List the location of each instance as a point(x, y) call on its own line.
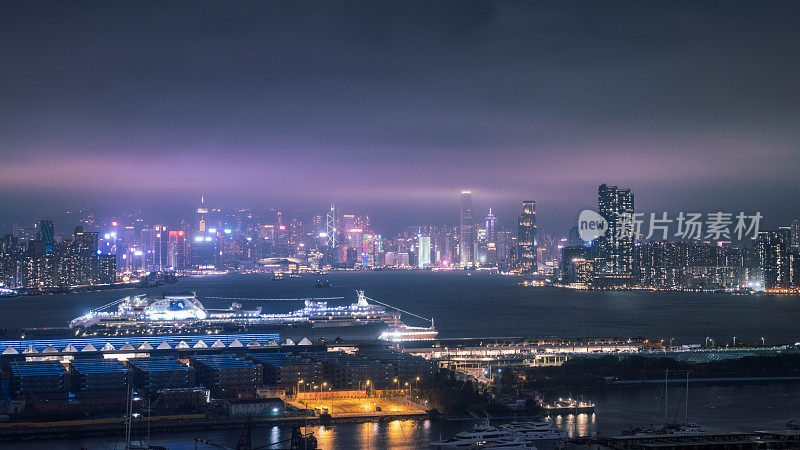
point(175, 311)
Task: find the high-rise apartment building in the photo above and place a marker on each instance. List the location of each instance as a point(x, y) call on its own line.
point(777, 259)
point(615, 204)
point(466, 231)
point(84, 252)
point(526, 238)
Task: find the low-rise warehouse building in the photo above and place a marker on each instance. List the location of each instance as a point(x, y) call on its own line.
point(39, 379)
point(227, 375)
point(99, 377)
point(153, 374)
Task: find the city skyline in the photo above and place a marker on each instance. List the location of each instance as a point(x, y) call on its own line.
point(280, 109)
point(366, 224)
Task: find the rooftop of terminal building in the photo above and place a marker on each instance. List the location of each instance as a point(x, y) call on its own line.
point(157, 364)
point(36, 368)
point(226, 361)
point(90, 366)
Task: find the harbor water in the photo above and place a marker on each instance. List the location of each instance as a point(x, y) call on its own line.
point(485, 305)
point(480, 305)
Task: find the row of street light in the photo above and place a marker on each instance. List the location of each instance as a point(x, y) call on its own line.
point(367, 385)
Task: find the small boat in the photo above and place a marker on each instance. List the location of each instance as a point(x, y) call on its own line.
point(323, 284)
point(568, 406)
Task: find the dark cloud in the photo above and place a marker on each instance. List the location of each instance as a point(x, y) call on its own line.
point(396, 106)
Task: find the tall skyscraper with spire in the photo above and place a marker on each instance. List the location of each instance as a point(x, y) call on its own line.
point(491, 227)
point(202, 212)
point(526, 239)
point(491, 238)
point(466, 231)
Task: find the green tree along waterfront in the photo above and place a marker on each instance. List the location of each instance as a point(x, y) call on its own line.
point(585, 374)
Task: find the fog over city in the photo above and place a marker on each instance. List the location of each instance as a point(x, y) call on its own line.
point(393, 109)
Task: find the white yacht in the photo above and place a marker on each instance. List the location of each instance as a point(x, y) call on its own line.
point(513, 435)
point(534, 430)
point(479, 435)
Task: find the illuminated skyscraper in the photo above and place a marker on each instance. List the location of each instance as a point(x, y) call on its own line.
point(84, 252)
point(348, 222)
point(490, 251)
point(526, 238)
point(202, 211)
point(796, 234)
point(178, 257)
point(481, 246)
point(160, 248)
point(331, 228)
point(616, 247)
point(776, 258)
point(491, 227)
point(424, 252)
point(466, 231)
point(46, 234)
point(574, 238)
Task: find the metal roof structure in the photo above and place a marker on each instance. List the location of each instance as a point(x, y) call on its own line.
point(36, 368)
point(157, 364)
point(95, 366)
point(133, 343)
point(222, 361)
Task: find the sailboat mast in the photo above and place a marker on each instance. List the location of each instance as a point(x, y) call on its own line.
point(687, 397)
point(666, 397)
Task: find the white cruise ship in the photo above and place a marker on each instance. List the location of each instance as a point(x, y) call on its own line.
point(175, 311)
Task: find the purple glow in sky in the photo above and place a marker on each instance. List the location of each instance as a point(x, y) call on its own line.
point(395, 107)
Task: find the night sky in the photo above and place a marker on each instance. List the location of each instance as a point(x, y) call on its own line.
point(393, 108)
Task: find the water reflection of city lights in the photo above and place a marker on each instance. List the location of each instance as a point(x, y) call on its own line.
point(575, 425)
point(583, 424)
point(324, 436)
point(569, 421)
point(367, 434)
point(395, 431)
